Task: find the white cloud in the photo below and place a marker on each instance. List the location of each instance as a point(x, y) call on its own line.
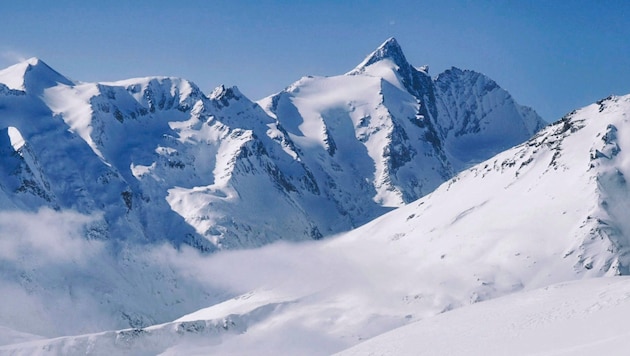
point(10, 56)
point(55, 281)
point(43, 255)
point(46, 237)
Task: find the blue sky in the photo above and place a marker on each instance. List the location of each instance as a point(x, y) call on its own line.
point(552, 55)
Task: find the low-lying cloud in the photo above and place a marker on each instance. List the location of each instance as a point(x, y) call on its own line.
point(54, 281)
point(46, 237)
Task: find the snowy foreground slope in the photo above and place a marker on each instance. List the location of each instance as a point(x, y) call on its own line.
point(161, 161)
point(585, 317)
point(551, 210)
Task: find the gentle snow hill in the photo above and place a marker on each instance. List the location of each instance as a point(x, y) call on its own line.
point(551, 210)
point(578, 318)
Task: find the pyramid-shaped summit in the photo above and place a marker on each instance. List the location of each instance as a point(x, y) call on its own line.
point(32, 75)
point(390, 50)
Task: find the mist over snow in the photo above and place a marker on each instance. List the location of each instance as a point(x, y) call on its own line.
point(46, 237)
point(38, 253)
point(55, 281)
point(53, 293)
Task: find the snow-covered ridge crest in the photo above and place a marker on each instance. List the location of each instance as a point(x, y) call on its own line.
point(223, 92)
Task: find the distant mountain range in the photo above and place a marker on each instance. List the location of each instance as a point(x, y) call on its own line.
point(164, 162)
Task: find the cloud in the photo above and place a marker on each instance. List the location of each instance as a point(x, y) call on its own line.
point(46, 237)
point(13, 56)
point(10, 56)
point(42, 258)
point(295, 270)
point(55, 281)
point(293, 267)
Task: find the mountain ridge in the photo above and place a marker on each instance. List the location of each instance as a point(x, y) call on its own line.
point(167, 145)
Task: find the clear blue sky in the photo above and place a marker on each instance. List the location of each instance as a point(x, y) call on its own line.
point(552, 55)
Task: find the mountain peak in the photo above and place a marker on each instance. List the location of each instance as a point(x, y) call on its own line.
point(222, 95)
point(222, 92)
point(32, 74)
point(389, 44)
point(33, 61)
point(390, 49)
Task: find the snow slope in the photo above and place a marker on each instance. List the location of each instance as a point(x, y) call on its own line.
point(583, 317)
point(548, 211)
point(577, 318)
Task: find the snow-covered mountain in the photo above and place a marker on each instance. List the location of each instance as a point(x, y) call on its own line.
point(550, 210)
point(395, 132)
point(161, 161)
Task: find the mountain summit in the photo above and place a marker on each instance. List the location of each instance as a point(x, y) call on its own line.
point(411, 131)
point(389, 62)
point(389, 50)
point(32, 75)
